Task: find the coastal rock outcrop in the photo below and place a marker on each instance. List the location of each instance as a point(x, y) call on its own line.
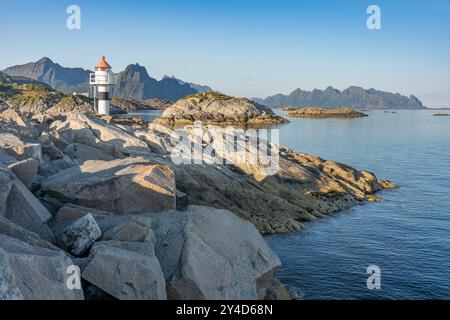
point(123, 186)
point(303, 188)
point(144, 226)
point(71, 103)
point(298, 187)
point(30, 99)
point(157, 104)
point(216, 108)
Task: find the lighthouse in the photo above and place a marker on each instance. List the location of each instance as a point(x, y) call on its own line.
point(102, 80)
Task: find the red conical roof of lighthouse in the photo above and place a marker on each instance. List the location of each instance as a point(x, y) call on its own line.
point(103, 64)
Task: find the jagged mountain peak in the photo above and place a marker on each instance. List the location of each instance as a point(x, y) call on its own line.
point(133, 82)
point(45, 60)
point(133, 70)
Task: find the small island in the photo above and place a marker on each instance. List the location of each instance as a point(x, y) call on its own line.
point(217, 108)
point(441, 115)
point(318, 112)
point(289, 108)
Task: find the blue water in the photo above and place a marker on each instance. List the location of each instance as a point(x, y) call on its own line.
point(407, 235)
point(148, 115)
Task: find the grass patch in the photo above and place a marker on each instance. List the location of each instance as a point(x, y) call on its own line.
point(216, 95)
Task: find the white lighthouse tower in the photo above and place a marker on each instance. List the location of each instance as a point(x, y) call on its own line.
point(102, 81)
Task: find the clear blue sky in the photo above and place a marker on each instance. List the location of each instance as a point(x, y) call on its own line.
point(245, 47)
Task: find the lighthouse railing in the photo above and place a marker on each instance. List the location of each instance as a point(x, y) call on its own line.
point(102, 79)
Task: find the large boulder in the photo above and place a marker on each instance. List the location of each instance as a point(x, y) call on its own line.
point(207, 253)
point(5, 158)
point(130, 229)
point(25, 170)
point(8, 288)
point(11, 115)
point(38, 273)
point(125, 274)
point(124, 186)
point(133, 233)
point(20, 206)
point(13, 230)
point(213, 107)
point(78, 237)
point(83, 152)
point(15, 147)
point(12, 144)
point(13, 123)
point(124, 264)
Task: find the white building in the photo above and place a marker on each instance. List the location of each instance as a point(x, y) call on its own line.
point(102, 81)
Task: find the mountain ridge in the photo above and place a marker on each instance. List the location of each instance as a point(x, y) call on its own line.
point(353, 97)
point(200, 88)
point(133, 82)
point(58, 77)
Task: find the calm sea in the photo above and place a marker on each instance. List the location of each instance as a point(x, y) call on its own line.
point(407, 235)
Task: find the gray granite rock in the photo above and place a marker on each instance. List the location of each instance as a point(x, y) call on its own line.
point(8, 288)
point(207, 253)
point(125, 274)
point(25, 170)
point(123, 186)
point(40, 274)
point(78, 237)
point(20, 206)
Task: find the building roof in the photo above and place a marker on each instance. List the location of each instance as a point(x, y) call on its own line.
point(103, 64)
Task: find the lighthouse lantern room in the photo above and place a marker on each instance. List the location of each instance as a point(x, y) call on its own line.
point(102, 81)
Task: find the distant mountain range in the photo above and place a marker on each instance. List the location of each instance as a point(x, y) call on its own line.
point(353, 97)
point(133, 82)
point(58, 77)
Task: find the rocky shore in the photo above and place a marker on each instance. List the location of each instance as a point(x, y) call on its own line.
point(135, 105)
point(216, 108)
point(317, 112)
point(104, 195)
